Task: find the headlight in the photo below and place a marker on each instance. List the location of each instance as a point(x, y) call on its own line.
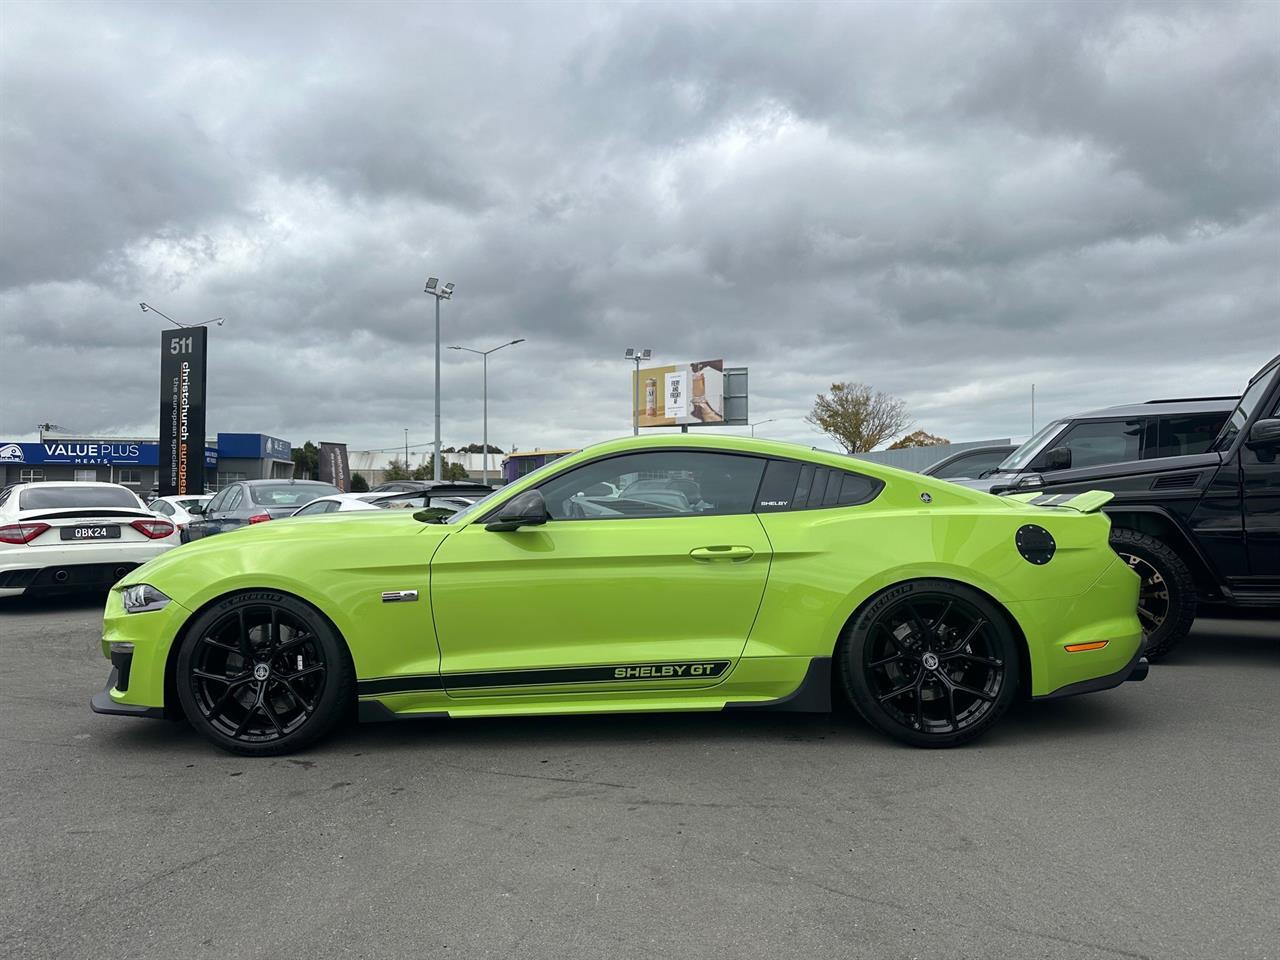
point(142, 597)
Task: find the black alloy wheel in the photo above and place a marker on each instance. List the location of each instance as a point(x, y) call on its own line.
point(263, 673)
point(931, 663)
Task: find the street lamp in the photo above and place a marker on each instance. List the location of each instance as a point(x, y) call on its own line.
point(440, 293)
point(760, 423)
point(203, 323)
point(635, 355)
point(484, 355)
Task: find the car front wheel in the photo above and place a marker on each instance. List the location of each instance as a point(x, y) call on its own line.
point(262, 673)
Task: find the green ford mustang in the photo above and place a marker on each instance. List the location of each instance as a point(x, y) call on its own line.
point(658, 573)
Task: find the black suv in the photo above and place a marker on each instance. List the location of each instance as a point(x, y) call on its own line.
point(1097, 438)
point(1194, 526)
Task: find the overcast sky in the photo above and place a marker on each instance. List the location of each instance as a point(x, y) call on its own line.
point(946, 201)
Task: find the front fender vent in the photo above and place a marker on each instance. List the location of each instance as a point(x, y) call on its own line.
point(1175, 481)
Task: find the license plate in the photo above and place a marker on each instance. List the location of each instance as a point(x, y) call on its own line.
point(97, 531)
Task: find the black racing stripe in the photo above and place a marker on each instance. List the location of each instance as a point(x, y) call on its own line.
point(429, 681)
point(611, 673)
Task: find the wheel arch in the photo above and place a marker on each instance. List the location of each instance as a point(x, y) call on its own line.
point(1023, 648)
point(172, 704)
point(1160, 524)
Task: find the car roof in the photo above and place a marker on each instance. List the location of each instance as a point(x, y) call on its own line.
point(285, 480)
point(80, 484)
point(1159, 408)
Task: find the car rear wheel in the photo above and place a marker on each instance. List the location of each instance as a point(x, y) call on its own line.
point(263, 673)
point(1167, 599)
point(930, 662)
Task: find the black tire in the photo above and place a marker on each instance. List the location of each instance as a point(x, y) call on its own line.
point(932, 663)
point(1167, 603)
point(261, 673)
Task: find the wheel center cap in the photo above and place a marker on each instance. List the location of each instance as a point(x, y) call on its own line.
point(930, 661)
point(261, 671)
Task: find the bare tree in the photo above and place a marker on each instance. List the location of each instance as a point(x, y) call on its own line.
point(857, 418)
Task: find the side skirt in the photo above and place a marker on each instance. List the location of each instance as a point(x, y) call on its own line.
point(812, 696)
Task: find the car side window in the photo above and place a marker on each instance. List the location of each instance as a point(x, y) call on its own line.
point(659, 483)
point(322, 506)
point(162, 508)
point(1094, 443)
point(233, 499)
point(1178, 435)
point(791, 485)
point(216, 503)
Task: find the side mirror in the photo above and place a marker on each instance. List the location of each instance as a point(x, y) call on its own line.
point(196, 509)
point(1059, 458)
point(1264, 435)
point(525, 510)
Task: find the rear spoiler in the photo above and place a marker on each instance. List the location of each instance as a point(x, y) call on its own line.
point(1088, 502)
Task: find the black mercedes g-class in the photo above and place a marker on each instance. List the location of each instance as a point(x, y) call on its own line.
point(1197, 526)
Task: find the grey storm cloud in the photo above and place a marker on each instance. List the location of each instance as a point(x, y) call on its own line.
point(947, 201)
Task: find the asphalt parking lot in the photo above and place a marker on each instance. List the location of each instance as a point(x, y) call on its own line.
point(1136, 823)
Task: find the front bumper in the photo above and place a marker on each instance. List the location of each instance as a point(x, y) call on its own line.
point(104, 702)
point(138, 646)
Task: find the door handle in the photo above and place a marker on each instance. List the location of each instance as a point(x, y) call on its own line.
point(733, 553)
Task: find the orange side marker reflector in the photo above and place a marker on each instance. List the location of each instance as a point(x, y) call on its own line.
point(1091, 645)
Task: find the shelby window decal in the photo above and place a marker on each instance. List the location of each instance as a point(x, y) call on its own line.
point(614, 673)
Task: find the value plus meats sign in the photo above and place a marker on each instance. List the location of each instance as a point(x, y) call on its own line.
point(182, 377)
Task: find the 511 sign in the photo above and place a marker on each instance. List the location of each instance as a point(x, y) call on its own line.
point(182, 409)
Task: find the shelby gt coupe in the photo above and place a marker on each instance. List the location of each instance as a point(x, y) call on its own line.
point(656, 573)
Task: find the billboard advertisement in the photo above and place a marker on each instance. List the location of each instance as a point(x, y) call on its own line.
point(680, 394)
point(182, 379)
point(334, 467)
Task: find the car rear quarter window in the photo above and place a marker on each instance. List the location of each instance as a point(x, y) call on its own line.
point(791, 485)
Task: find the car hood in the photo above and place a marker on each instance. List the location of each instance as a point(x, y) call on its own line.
point(274, 543)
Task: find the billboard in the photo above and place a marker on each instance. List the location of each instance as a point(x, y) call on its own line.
point(182, 380)
point(334, 467)
point(680, 394)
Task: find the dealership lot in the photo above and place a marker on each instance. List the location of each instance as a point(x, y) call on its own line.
point(1139, 822)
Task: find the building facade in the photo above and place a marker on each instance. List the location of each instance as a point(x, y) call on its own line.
point(135, 461)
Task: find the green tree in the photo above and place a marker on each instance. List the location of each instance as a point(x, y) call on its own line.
point(920, 438)
point(396, 470)
point(858, 418)
point(359, 484)
point(306, 461)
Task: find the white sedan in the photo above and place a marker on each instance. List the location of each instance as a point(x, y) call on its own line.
point(62, 537)
point(177, 510)
point(381, 501)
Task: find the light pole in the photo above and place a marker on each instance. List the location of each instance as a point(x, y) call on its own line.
point(484, 355)
point(440, 293)
point(203, 323)
point(635, 355)
point(761, 423)
point(406, 449)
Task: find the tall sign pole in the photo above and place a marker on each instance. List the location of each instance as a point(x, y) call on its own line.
point(183, 354)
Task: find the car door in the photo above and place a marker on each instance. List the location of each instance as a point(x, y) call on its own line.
point(204, 525)
point(653, 591)
point(1260, 484)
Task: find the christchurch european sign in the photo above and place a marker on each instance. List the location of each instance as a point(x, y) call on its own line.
point(182, 375)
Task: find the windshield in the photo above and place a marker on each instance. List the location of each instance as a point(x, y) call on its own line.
point(481, 505)
point(289, 494)
point(1026, 453)
point(42, 497)
point(1240, 416)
